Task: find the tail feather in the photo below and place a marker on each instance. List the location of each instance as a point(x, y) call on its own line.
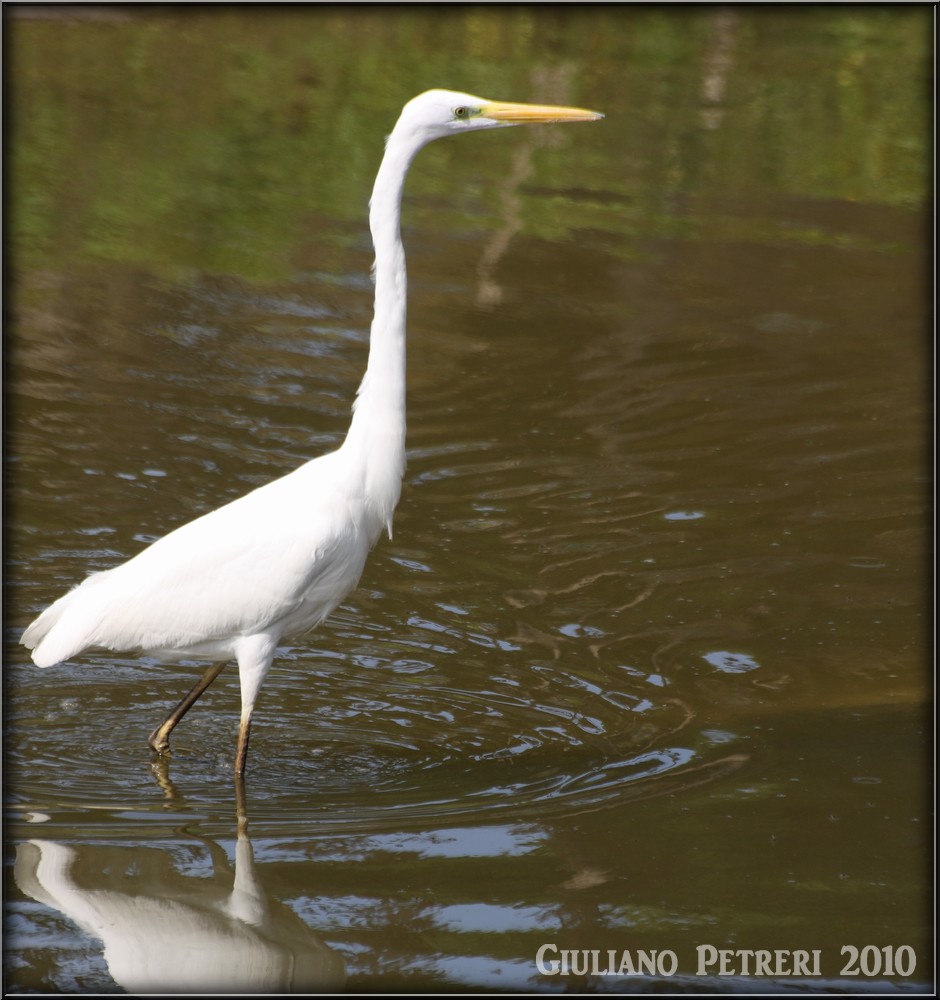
point(65, 628)
point(49, 637)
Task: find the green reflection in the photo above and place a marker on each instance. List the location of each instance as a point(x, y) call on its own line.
point(211, 139)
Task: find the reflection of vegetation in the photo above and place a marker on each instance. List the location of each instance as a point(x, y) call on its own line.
point(202, 139)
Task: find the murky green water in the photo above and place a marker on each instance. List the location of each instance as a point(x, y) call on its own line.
point(644, 667)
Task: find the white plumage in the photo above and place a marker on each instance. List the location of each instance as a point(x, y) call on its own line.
point(236, 572)
point(276, 562)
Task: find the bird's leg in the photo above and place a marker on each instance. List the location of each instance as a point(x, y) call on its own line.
point(254, 661)
point(160, 738)
point(241, 754)
point(241, 806)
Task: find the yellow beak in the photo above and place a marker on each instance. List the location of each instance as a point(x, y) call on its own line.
point(521, 114)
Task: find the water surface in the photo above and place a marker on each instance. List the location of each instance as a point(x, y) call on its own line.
point(644, 666)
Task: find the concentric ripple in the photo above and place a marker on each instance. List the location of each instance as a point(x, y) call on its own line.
point(360, 749)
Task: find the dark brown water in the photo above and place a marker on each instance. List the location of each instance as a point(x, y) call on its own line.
point(644, 668)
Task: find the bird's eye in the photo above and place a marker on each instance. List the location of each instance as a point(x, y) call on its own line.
point(461, 112)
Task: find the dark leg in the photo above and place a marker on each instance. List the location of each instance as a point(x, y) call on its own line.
point(241, 754)
point(241, 806)
point(160, 738)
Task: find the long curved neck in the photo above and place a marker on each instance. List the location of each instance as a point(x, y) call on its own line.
point(375, 442)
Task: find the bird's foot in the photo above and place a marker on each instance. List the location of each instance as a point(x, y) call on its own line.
point(159, 743)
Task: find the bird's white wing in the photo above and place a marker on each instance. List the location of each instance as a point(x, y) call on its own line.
point(278, 559)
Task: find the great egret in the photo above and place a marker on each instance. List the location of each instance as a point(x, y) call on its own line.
point(277, 561)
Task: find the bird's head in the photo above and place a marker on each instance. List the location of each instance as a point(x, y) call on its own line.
point(437, 113)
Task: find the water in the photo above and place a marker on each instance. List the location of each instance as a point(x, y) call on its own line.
point(643, 667)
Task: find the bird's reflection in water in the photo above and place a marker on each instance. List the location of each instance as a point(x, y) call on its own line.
point(168, 932)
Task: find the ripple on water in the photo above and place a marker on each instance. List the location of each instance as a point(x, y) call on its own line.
point(406, 753)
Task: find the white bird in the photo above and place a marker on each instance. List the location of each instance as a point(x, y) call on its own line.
point(274, 563)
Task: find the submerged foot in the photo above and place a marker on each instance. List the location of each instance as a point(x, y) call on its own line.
point(159, 742)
